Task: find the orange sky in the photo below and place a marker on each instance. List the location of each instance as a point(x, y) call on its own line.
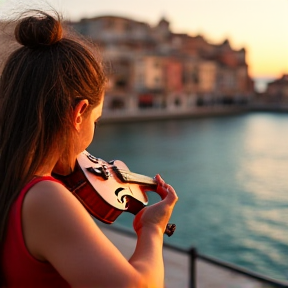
point(261, 26)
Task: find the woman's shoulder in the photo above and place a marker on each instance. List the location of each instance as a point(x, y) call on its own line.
point(45, 183)
point(44, 189)
point(49, 215)
point(47, 194)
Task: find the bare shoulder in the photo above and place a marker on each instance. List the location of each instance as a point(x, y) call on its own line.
point(47, 192)
point(51, 204)
point(51, 214)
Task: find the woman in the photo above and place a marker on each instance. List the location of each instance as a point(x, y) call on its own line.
point(52, 91)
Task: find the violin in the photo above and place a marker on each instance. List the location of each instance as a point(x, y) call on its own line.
point(106, 189)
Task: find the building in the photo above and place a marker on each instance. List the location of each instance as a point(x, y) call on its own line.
point(277, 90)
point(275, 97)
point(153, 67)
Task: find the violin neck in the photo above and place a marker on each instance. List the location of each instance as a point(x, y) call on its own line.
point(130, 177)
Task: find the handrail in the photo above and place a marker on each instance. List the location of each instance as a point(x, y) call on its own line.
point(194, 255)
point(243, 271)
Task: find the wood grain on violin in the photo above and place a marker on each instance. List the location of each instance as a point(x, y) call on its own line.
point(106, 189)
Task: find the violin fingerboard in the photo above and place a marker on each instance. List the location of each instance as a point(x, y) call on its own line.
point(130, 177)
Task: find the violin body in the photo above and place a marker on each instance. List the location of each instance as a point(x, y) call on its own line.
point(106, 189)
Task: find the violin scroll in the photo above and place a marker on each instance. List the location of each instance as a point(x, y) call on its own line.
point(170, 229)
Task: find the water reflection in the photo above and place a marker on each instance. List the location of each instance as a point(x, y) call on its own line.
point(264, 163)
point(231, 177)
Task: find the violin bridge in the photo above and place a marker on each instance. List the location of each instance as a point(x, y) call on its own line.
point(101, 171)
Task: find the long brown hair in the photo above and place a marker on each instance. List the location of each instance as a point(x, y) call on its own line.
point(40, 85)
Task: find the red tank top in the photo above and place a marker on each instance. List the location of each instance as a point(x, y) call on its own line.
point(20, 268)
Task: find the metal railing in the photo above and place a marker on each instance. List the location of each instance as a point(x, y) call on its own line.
point(194, 256)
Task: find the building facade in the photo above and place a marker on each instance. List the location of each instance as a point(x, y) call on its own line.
point(277, 91)
point(152, 67)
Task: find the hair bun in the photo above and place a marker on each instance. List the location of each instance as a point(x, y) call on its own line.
point(38, 31)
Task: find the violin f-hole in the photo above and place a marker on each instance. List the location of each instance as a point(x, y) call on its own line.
point(122, 194)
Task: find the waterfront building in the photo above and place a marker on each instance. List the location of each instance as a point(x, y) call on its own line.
point(277, 90)
point(153, 67)
point(275, 97)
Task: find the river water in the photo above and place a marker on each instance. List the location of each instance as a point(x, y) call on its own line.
point(231, 175)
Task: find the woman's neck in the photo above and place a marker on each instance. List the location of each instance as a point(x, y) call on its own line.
point(63, 166)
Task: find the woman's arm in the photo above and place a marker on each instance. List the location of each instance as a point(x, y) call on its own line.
point(58, 229)
point(150, 224)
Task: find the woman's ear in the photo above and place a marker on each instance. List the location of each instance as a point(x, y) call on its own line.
point(78, 113)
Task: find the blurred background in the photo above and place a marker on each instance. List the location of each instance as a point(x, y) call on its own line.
point(258, 26)
point(184, 63)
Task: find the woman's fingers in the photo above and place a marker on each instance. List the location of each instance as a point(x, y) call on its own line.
point(165, 190)
point(160, 212)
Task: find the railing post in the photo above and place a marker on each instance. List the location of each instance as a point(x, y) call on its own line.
point(192, 263)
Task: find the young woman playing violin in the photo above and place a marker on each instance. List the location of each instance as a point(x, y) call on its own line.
point(51, 95)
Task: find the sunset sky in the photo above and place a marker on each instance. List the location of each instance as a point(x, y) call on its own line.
point(260, 26)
